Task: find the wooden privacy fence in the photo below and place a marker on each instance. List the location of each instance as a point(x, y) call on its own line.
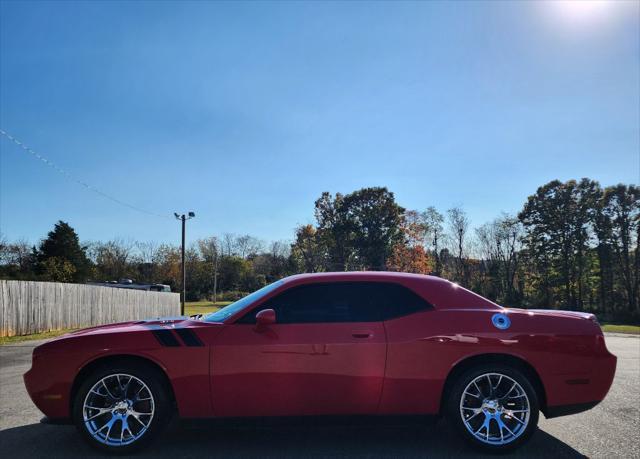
point(28, 307)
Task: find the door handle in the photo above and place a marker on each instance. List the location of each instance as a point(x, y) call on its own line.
point(362, 334)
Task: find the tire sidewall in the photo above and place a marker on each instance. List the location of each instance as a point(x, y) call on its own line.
point(453, 406)
point(154, 382)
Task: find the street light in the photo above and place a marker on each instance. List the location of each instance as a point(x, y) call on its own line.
point(184, 219)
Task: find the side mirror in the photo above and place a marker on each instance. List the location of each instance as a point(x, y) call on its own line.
point(265, 318)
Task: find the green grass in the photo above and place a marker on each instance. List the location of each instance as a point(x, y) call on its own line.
point(631, 329)
point(43, 335)
point(203, 307)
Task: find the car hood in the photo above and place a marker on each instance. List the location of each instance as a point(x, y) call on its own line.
point(101, 337)
point(134, 325)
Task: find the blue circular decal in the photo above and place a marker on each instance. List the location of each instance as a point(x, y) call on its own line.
point(501, 321)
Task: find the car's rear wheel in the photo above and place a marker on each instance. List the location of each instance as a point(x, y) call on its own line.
point(121, 407)
point(494, 407)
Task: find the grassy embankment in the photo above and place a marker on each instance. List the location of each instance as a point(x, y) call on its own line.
point(613, 328)
point(43, 335)
point(203, 307)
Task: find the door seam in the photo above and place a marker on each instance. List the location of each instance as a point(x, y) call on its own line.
point(384, 373)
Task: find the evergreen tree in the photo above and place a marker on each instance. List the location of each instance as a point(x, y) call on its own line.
point(61, 257)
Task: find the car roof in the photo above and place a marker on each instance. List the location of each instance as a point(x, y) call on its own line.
point(360, 276)
point(439, 292)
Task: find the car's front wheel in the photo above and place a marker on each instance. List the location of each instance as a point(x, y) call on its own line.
point(494, 407)
point(121, 407)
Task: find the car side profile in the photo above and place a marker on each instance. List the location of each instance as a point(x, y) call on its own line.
point(353, 343)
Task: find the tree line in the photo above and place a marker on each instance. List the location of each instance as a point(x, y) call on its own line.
point(574, 245)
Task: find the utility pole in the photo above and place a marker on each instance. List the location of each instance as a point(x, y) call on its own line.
point(215, 275)
point(184, 219)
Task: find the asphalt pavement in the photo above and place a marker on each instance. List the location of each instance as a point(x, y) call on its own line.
point(612, 429)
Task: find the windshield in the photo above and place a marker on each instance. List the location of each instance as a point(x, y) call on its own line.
point(231, 309)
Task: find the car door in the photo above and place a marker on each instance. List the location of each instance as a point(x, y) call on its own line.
point(324, 355)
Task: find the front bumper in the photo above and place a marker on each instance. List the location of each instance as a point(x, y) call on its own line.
point(48, 388)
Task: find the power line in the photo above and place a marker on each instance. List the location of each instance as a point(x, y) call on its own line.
point(82, 183)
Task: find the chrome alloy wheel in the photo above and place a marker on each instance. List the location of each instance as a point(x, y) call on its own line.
point(118, 409)
point(495, 409)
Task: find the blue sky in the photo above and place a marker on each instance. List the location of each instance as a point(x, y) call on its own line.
point(246, 112)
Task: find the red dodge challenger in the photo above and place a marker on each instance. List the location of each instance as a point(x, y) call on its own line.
point(353, 343)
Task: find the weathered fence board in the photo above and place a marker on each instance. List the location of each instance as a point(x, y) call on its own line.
point(28, 307)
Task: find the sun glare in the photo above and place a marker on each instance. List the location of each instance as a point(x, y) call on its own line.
point(581, 11)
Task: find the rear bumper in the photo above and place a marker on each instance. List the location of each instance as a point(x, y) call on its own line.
point(570, 393)
point(565, 410)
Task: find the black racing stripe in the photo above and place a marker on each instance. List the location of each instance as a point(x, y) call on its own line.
point(165, 337)
point(189, 337)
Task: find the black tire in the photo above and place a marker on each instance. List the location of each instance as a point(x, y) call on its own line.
point(454, 410)
point(162, 405)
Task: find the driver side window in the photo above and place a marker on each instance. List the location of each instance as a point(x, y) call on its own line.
point(341, 302)
point(316, 303)
point(305, 304)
